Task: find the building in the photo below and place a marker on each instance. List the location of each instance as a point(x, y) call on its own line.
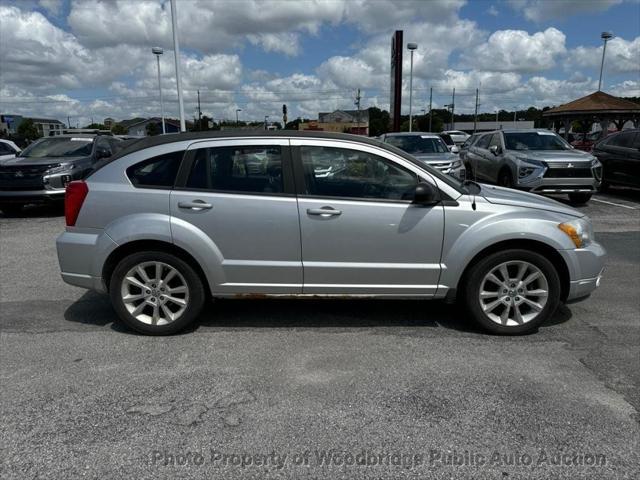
point(9, 124)
point(141, 127)
point(48, 127)
point(598, 107)
point(340, 121)
point(490, 126)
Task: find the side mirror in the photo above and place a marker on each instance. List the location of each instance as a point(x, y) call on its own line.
point(455, 149)
point(495, 149)
point(425, 194)
point(102, 152)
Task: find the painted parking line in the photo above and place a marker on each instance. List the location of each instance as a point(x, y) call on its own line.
point(612, 203)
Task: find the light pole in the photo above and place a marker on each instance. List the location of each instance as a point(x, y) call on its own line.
point(606, 36)
point(411, 47)
point(237, 121)
point(157, 51)
point(176, 53)
point(266, 122)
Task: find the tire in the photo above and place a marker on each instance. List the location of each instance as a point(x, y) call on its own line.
point(156, 308)
point(11, 209)
point(505, 179)
point(489, 316)
point(579, 198)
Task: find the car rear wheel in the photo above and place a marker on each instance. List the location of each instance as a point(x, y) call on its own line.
point(512, 292)
point(579, 198)
point(156, 293)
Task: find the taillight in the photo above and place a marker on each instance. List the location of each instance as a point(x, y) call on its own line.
point(73, 198)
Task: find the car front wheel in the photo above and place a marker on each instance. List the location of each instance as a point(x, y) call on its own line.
point(156, 293)
point(512, 292)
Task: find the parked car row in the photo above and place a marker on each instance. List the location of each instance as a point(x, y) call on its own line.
point(619, 154)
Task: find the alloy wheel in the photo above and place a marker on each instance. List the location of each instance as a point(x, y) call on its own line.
point(513, 293)
point(154, 293)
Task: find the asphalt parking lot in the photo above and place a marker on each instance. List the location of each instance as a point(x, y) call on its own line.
point(316, 389)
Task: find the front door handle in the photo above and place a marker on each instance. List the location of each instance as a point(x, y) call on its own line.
point(324, 211)
point(195, 205)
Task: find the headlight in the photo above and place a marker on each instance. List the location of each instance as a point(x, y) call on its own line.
point(63, 167)
point(456, 164)
point(579, 230)
point(528, 166)
point(595, 163)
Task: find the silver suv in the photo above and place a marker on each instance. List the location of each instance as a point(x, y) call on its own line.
point(174, 219)
point(428, 148)
point(539, 161)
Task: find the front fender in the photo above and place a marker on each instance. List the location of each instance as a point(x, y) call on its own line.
point(464, 241)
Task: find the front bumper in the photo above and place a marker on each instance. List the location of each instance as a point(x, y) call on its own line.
point(543, 182)
point(586, 268)
point(31, 196)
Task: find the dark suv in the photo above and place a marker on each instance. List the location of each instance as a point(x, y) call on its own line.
point(619, 154)
point(42, 171)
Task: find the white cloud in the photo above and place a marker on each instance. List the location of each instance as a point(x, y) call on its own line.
point(542, 10)
point(517, 51)
point(287, 43)
point(622, 56)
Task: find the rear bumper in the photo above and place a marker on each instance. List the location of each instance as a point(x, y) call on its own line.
point(81, 256)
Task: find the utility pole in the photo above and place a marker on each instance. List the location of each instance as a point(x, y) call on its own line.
point(453, 107)
point(430, 109)
point(357, 102)
point(68, 122)
point(475, 116)
point(176, 53)
point(199, 113)
point(514, 116)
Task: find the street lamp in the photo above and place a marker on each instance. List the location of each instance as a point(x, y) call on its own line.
point(266, 122)
point(411, 47)
point(157, 51)
point(237, 111)
point(606, 36)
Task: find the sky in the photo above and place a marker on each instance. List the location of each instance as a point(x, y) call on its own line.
point(92, 59)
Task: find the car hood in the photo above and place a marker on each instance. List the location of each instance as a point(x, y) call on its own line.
point(555, 155)
point(517, 198)
point(30, 161)
point(436, 157)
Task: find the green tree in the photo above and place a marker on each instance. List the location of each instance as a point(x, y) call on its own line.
point(118, 129)
point(152, 129)
point(28, 130)
point(96, 126)
point(378, 121)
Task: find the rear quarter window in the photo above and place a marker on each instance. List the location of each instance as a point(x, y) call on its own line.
point(156, 172)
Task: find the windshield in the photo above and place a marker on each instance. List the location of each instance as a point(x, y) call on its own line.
point(59, 147)
point(535, 141)
point(418, 145)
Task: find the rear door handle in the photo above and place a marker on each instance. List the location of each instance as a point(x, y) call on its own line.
point(324, 211)
point(195, 205)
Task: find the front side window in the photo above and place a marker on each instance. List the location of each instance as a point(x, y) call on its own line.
point(345, 173)
point(624, 140)
point(534, 141)
point(156, 172)
point(484, 141)
point(250, 169)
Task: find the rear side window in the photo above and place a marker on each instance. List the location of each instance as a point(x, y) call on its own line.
point(250, 169)
point(156, 172)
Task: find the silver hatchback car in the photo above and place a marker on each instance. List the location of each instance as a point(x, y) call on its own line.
point(171, 220)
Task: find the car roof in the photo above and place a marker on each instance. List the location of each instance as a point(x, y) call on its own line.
point(147, 142)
